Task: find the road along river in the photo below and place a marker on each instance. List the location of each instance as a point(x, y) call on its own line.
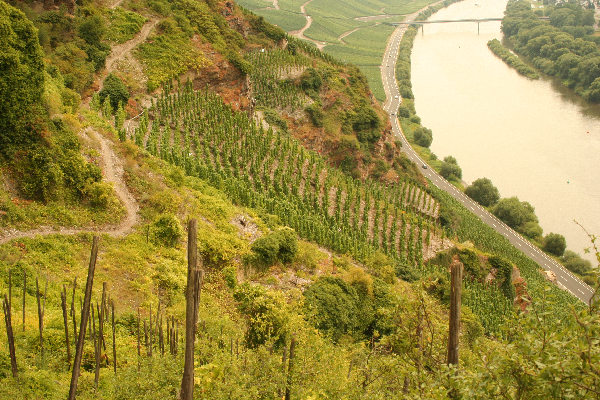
point(533, 138)
point(564, 278)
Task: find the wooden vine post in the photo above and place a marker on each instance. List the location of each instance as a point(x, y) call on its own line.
point(456, 274)
point(288, 383)
point(192, 296)
point(10, 336)
point(63, 303)
point(112, 306)
point(85, 313)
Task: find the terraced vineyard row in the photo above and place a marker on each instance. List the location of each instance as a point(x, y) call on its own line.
point(270, 71)
point(264, 169)
point(267, 170)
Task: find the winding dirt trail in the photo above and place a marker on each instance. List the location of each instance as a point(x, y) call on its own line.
point(111, 164)
point(120, 51)
point(343, 35)
point(300, 33)
point(113, 173)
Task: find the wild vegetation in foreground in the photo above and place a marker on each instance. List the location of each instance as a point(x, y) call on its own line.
point(320, 236)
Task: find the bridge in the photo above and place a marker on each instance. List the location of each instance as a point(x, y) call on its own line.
point(445, 21)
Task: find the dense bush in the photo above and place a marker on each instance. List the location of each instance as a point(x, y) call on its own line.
point(330, 304)
point(423, 136)
point(280, 245)
point(116, 90)
point(483, 192)
point(167, 230)
point(555, 244)
point(265, 313)
point(21, 80)
point(450, 169)
point(518, 215)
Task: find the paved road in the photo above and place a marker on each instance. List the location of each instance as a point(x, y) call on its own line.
point(564, 278)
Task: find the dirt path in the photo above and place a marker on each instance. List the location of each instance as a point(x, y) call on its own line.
point(111, 164)
point(113, 173)
point(300, 33)
point(120, 51)
point(343, 35)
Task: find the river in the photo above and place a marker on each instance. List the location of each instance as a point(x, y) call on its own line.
point(533, 138)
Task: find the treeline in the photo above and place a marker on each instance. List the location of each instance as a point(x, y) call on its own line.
point(498, 49)
point(561, 46)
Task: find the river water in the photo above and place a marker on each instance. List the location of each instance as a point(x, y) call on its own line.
point(533, 138)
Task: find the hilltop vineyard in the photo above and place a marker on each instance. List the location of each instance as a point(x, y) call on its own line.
point(267, 170)
point(270, 171)
point(270, 78)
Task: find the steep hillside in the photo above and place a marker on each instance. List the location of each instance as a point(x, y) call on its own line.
point(314, 232)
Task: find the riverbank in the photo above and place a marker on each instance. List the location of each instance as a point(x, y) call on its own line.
point(533, 139)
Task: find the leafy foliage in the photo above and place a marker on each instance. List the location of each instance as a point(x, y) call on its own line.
point(555, 244)
point(265, 312)
point(483, 192)
point(115, 90)
point(167, 230)
point(280, 245)
point(450, 169)
point(519, 215)
point(21, 81)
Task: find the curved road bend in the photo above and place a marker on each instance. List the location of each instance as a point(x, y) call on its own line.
point(564, 278)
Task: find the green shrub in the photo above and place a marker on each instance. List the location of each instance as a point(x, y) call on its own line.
point(115, 89)
point(423, 136)
point(101, 195)
point(265, 313)
point(330, 305)
point(315, 111)
point(280, 245)
point(167, 230)
point(403, 112)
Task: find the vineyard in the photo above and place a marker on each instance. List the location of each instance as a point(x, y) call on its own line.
point(269, 77)
point(266, 170)
point(270, 171)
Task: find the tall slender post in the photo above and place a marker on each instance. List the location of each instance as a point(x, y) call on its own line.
point(10, 288)
point(194, 282)
point(63, 303)
point(74, 317)
point(97, 345)
point(10, 336)
point(102, 317)
point(24, 292)
point(288, 385)
point(456, 273)
point(138, 337)
point(84, 319)
point(40, 316)
point(112, 306)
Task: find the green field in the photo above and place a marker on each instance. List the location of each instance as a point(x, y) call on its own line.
point(364, 47)
point(286, 20)
point(255, 4)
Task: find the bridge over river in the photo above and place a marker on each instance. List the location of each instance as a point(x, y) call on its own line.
point(445, 21)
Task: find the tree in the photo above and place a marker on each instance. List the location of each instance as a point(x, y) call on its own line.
point(92, 30)
point(483, 192)
point(21, 79)
point(280, 245)
point(555, 244)
point(516, 214)
point(574, 263)
point(116, 90)
point(450, 169)
point(331, 306)
point(404, 112)
point(423, 136)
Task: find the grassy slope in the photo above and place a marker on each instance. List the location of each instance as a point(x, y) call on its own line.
point(139, 270)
